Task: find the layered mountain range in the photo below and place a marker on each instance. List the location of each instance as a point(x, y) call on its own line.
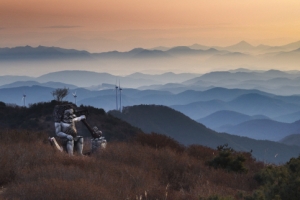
point(244, 112)
point(194, 58)
point(236, 106)
point(161, 119)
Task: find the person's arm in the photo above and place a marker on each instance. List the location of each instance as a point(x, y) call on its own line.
point(76, 119)
point(59, 133)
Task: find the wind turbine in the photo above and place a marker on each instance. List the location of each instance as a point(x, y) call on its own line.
point(120, 89)
point(116, 96)
point(24, 99)
point(75, 96)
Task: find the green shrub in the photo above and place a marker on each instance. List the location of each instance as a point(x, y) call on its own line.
point(279, 182)
point(228, 159)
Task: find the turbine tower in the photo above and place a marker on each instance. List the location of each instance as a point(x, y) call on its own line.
point(120, 89)
point(24, 99)
point(75, 96)
point(116, 96)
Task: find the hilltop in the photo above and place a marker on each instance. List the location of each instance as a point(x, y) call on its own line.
point(38, 117)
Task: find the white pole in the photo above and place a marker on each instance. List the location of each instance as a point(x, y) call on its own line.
point(116, 97)
point(120, 97)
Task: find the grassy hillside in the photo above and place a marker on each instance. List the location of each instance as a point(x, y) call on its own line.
point(164, 120)
point(135, 166)
point(150, 167)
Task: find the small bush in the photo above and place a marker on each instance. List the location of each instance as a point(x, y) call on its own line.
point(228, 159)
point(279, 182)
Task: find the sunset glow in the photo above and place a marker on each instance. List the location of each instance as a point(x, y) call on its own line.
point(122, 25)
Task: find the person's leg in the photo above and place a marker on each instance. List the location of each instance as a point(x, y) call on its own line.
point(79, 144)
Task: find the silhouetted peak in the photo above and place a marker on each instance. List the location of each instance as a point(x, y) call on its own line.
point(180, 48)
point(241, 45)
point(136, 50)
point(244, 43)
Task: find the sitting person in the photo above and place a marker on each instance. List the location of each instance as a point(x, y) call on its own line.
point(65, 129)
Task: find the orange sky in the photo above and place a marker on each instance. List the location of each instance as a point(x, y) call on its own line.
point(100, 25)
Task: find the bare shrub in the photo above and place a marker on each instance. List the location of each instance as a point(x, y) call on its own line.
point(60, 93)
point(201, 153)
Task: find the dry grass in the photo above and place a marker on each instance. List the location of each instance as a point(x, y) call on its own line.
point(32, 169)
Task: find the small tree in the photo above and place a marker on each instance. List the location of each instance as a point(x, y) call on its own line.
point(60, 93)
point(228, 159)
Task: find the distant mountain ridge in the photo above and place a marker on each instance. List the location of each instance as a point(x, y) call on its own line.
point(289, 118)
point(248, 103)
point(10, 79)
point(221, 118)
point(271, 81)
point(263, 129)
point(41, 52)
point(82, 78)
point(35, 83)
point(293, 139)
point(195, 104)
point(169, 76)
point(242, 46)
point(141, 59)
point(161, 119)
point(218, 76)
